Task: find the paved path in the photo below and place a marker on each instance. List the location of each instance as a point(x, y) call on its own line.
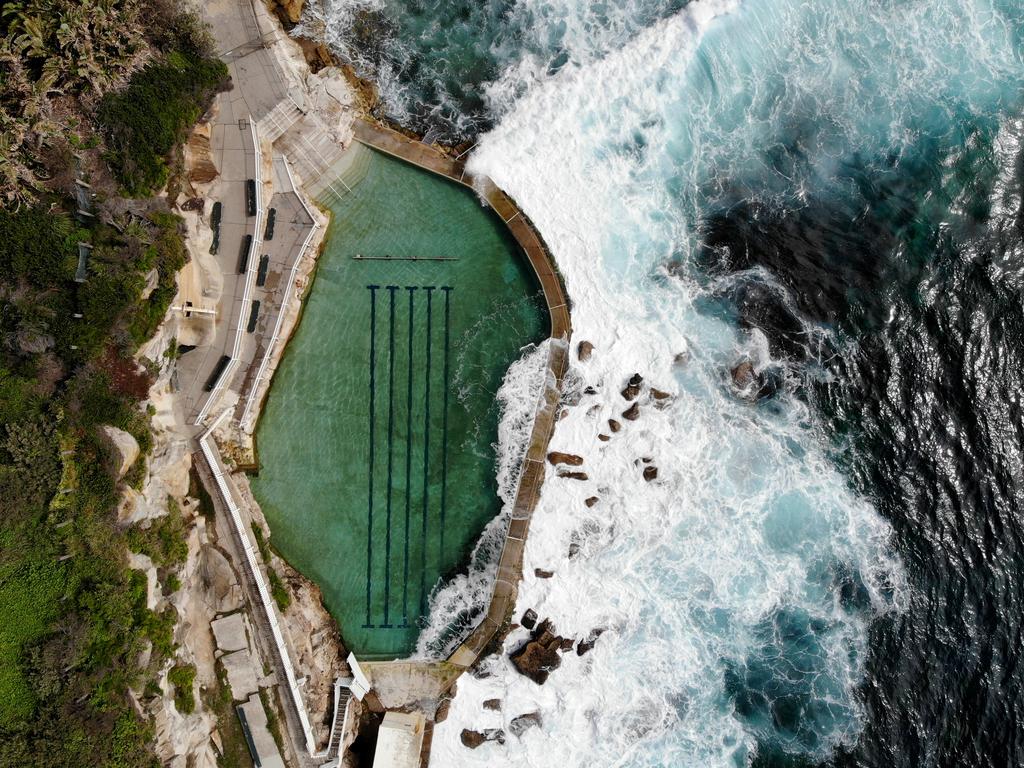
point(503, 597)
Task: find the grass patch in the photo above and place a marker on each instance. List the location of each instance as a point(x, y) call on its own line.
point(182, 677)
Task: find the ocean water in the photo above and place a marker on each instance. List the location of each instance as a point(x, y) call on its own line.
point(826, 571)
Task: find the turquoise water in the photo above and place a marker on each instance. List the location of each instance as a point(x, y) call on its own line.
point(377, 466)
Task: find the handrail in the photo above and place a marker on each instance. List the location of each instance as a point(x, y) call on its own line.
point(211, 454)
point(253, 391)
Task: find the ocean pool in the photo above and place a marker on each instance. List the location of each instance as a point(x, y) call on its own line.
point(377, 466)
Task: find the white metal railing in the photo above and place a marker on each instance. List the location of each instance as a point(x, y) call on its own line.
point(290, 287)
point(212, 458)
point(250, 275)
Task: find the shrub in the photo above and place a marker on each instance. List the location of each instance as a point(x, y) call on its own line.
point(181, 677)
point(146, 120)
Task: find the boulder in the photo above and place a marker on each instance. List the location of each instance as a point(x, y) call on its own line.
point(573, 475)
point(650, 473)
point(603, 438)
point(632, 389)
point(539, 656)
point(657, 394)
point(522, 723)
point(493, 704)
point(613, 425)
point(474, 739)
point(590, 391)
point(743, 375)
point(292, 9)
point(540, 573)
point(591, 501)
point(632, 413)
point(126, 447)
point(584, 350)
point(441, 714)
point(556, 457)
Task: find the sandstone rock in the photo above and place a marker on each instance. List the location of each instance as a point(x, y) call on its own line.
point(650, 473)
point(442, 711)
point(613, 425)
point(125, 445)
point(573, 475)
point(540, 573)
point(584, 350)
point(556, 457)
point(632, 389)
point(493, 704)
point(567, 643)
point(292, 9)
point(743, 375)
point(523, 723)
point(632, 413)
point(591, 501)
point(201, 169)
point(657, 394)
point(539, 656)
point(603, 438)
point(474, 739)
point(529, 619)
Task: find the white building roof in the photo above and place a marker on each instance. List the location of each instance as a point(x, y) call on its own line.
point(400, 740)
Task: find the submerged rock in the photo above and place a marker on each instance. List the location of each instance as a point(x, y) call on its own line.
point(493, 704)
point(585, 646)
point(523, 723)
point(573, 475)
point(474, 739)
point(556, 457)
point(632, 389)
point(632, 413)
point(584, 350)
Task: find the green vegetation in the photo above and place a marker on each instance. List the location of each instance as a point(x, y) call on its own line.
point(164, 541)
point(73, 616)
point(144, 122)
point(182, 676)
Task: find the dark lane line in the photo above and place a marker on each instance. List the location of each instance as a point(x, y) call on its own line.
point(408, 465)
point(369, 523)
point(426, 457)
point(391, 454)
point(444, 428)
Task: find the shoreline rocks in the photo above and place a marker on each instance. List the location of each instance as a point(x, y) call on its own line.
point(632, 390)
point(557, 457)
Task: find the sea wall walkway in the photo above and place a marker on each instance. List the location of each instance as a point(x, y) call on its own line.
point(531, 476)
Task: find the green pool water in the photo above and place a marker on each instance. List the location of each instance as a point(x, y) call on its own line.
point(376, 441)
